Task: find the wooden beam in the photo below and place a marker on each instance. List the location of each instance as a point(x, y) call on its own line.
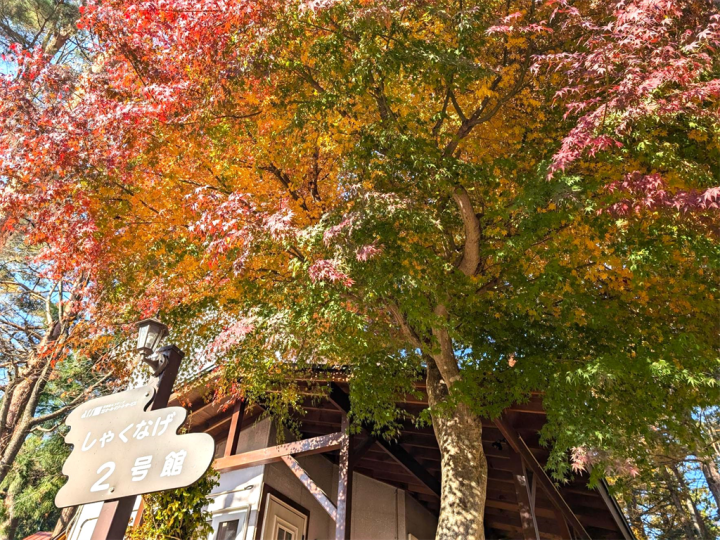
point(341, 400)
point(235, 428)
point(518, 444)
point(312, 487)
point(358, 453)
point(526, 504)
point(411, 465)
point(316, 445)
point(139, 514)
point(339, 397)
point(344, 488)
point(565, 533)
point(493, 523)
point(616, 512)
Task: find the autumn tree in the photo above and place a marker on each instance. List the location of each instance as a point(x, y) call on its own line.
point(28, 491)
point(502, 197)
point(667, 500)
point(45, 24)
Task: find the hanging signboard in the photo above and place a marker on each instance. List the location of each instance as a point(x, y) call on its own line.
point(120, 449)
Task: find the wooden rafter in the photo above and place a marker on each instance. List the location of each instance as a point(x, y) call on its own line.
point(235, 428)
point(344, 488)
point(359, 452)
point(526, 500)
point(342, 401)
point(285, 452)
point(518, 444)
point(323, 417)
point(565, 533)
point(411, 465)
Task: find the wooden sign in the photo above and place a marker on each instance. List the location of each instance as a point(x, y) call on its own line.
point(120, 449)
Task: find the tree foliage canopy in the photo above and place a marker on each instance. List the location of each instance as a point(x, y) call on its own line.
point(522, 193)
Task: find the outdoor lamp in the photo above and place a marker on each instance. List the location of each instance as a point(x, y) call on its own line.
point(150, 333)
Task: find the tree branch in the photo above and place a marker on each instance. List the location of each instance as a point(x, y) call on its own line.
point(406, 329)
point(67, 408)
point(445, 360)
point(471, 249)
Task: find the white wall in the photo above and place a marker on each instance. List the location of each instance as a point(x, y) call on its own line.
point(242, 488)
point(378, 510)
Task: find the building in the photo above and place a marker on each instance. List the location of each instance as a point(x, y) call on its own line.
point(387, 490)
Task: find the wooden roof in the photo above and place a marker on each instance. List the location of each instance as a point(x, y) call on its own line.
point(382, 460)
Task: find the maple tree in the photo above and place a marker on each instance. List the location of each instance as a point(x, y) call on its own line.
point(393, 188)
point(42, 310)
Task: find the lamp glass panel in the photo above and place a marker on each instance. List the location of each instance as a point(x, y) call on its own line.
point(153, 336)
point(143, 336)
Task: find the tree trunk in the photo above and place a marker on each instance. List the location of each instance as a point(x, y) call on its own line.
point(635, 516)
point(464, 467)
point(697, 519)
point(11, 528)
point(712, 477)
point(21, 406)
point(11, 523)
point(680, 510)
point(64, 520)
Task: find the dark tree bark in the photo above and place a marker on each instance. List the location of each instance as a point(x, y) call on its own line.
point(64, 520)
point(635, 516)
point(11, 523)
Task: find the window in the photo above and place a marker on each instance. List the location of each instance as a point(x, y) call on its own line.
point(230, 524)
point(228, 530)
point(284, 534)
point(220, 448)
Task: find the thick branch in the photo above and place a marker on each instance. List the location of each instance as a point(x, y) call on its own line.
point(67, 408)
point(285, 181)
point(407, 331)
point(482, 113)
point(471, 250)
point(445, 360)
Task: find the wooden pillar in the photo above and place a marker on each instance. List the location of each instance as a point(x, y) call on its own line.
point(114, 519)
point(115, 515)
point(526, 502)
point(349, 497)
point(235, 428)
point(344, 490)
point(139, 514)
point(518, 444)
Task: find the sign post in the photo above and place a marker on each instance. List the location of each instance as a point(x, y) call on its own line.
point(126, 444)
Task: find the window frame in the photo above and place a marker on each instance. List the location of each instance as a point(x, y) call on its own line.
point(242, 534)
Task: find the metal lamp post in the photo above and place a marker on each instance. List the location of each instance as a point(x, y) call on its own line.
point(165, 364)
